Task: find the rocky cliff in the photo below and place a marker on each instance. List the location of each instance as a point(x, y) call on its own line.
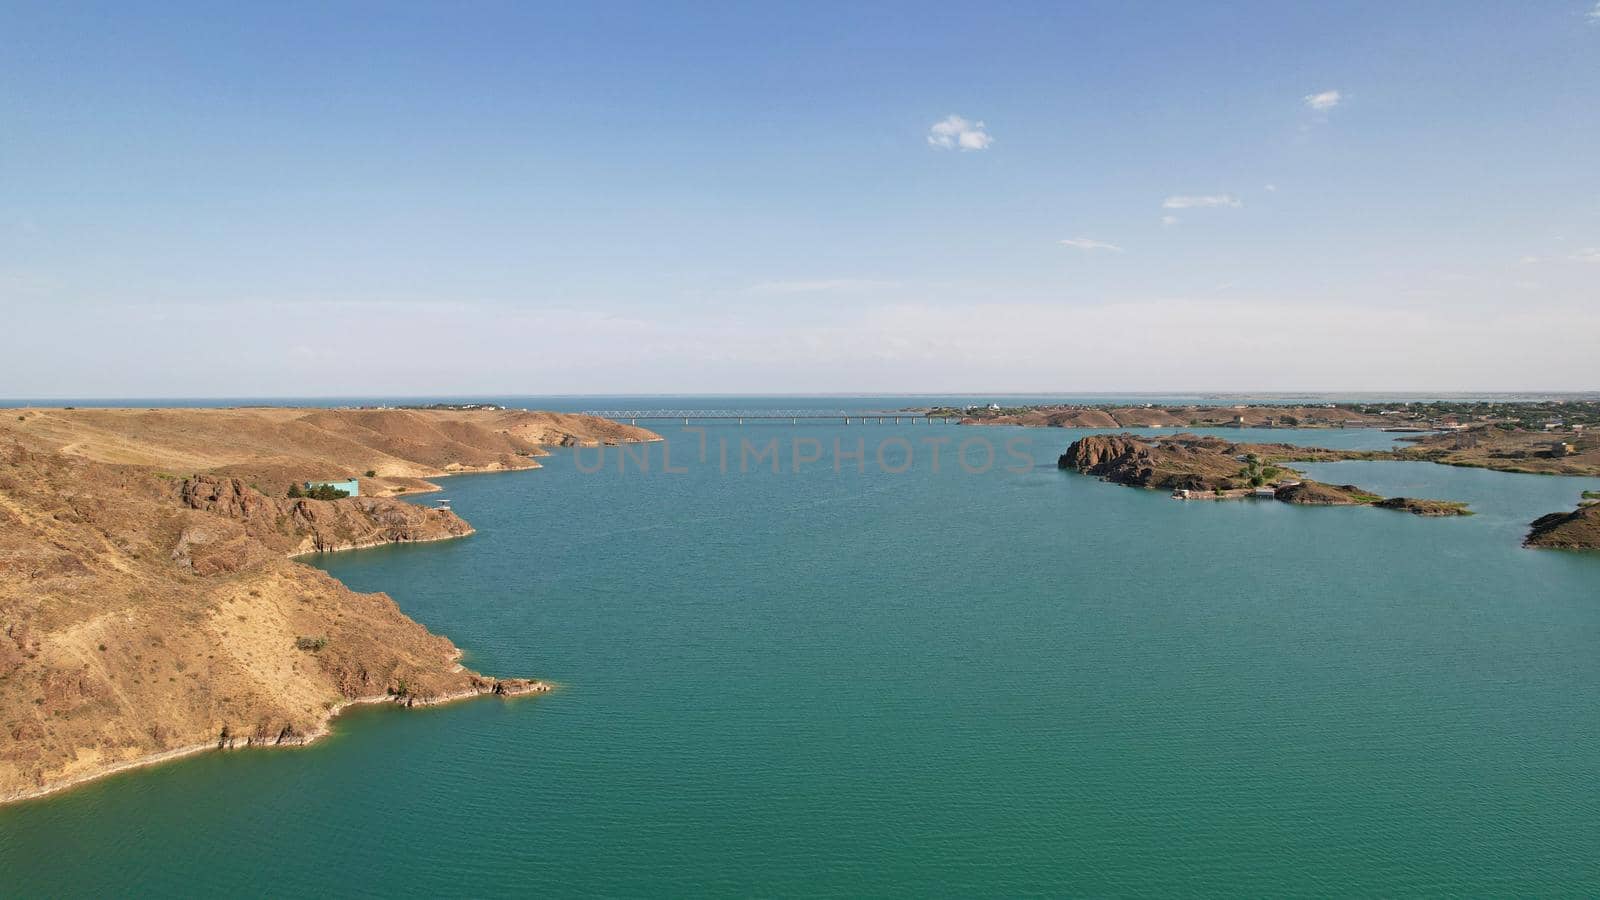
point(1183, 461)
point(143, 617)
point(296, 526)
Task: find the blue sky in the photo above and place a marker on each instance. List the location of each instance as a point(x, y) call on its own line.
point(293, 199)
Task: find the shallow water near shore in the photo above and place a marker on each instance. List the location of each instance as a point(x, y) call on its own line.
point(937, 681)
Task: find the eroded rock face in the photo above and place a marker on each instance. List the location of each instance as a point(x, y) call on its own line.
point(303, 526)
point(227, 497)
point(1099, 453)
point(1182, 461)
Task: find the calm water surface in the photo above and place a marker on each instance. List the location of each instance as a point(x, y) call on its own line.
point(935, 682)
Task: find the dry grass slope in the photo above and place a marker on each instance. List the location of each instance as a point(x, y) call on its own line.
point(272, 447)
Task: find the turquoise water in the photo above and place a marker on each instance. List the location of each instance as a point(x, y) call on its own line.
point(934, 682)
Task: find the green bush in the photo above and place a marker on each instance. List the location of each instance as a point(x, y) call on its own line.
point(320, 492)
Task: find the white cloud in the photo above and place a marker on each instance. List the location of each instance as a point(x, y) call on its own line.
point(1198, 201)
point(1594, 14)
point(1090, 244)
point(1528, 260)
point(1272, 188)
point(1324, 101)
point(1170, 221)
point(1588, 254)
point(955, 132)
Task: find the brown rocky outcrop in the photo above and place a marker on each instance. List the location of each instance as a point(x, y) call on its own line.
point(1576, 530)
point(1209, 465)
point(1183, 461)
point(299, 525)
point(1315, 493)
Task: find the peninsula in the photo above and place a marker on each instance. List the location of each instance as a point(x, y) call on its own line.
point(149, 604)
point(1542, 437)
point(1204, 468)
point(1208, 467)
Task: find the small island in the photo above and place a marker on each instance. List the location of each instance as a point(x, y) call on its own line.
point(1576, 530)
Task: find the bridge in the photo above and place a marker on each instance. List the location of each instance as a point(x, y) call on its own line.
point(739, 416)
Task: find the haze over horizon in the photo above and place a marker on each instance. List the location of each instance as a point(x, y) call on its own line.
point(909, 198)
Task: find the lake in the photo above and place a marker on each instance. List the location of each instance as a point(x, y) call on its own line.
point(903, 676)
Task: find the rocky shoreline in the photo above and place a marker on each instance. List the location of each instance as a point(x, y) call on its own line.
point(512, 687)
point(1209, 468)
point(146, 616)
point(1198, 467)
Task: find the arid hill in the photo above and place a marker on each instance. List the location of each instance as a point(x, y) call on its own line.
point(142, 616)
point(149, 607)
point(1576, 530)
point(272, 447)
point(1315, 493)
